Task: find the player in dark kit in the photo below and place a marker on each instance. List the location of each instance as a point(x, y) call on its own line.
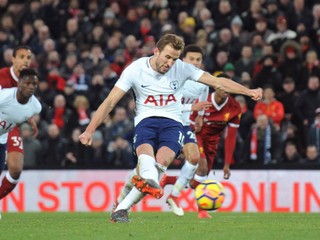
point(21, 59)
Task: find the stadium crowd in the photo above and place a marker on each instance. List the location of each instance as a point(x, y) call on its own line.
point(81, 47)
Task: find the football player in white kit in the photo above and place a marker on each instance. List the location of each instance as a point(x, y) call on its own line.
point(191, 91)
point(157, 84)
point(17, 105)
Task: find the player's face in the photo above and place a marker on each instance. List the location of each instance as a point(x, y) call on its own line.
point(222, 94)
point(21, 60)
point(165, 59)
point(193, 58)
point(28, 85)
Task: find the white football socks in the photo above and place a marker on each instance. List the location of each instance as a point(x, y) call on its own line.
point(187, 172)
point(147, 168)
point(200, 178)
point(133, 197)
point(127, 187)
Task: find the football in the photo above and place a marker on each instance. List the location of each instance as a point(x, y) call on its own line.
point(209, 195)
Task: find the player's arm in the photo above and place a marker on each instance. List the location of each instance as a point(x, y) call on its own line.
point(230, 86)
point(34, 127)
point(100, 115)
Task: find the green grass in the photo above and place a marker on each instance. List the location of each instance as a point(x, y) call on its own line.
point(156, 226)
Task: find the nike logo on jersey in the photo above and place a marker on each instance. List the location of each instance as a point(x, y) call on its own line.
point(144, 86)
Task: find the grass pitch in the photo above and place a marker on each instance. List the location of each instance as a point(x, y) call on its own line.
point(158, 226)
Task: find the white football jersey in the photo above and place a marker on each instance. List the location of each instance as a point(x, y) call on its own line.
point(156, 94)
point(192, 91)
point(12, 112)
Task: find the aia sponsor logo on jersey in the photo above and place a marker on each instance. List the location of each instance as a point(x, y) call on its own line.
point(160, 100)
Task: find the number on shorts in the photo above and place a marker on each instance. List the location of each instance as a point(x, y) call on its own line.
point(17, 142)
point(181, 139)
point(191, 135)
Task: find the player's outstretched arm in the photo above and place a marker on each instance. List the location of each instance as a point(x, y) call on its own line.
point(100, 115)
point(230, 86)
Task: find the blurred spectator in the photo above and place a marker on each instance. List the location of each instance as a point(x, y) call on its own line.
point(6, 58)
point(38, 42)
point(281, 34)
point(314, 131)
point(310, 67)
point(298, 14)
point(93, 62)
point(70, 62)
point(306, 105)
point(312, 155)
point(224, 15)
point(27, 34)
point(121, 126)
point(209, 27)
point(290, 134)
point(187, 30)
point(226, 42)
point(219, 62)
point(32, 147)
point(97, 36)
point(98, 151)
point(270, 107)
point(291, 154)
point(250, 16)
point(97, 91)
point(120, 152)
point(268, 75)
point(130, 25)
point(80, 116)
point(59, 114)
point(131, 47)
point(288, 97)
point(230, 70)
point(110, 22)
point(263, 143)
point(237, 30)
point(272, 13)
point(53, 148)
point(290, 61)
point(76, 153)
point(119, 62)
point(80, 79)
point(261, 28)
point(245, 63)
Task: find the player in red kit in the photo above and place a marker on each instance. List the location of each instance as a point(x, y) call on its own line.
point(224, 115)
point(21, 59)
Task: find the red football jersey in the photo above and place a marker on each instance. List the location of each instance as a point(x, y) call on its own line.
point(7, 78)
point(216, 118)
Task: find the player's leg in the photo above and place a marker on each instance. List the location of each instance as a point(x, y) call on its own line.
point(126, 189)
point(168, 142)
point(144, 143)
point(14, 163)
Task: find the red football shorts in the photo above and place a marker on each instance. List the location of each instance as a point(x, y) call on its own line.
point(15, 143)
